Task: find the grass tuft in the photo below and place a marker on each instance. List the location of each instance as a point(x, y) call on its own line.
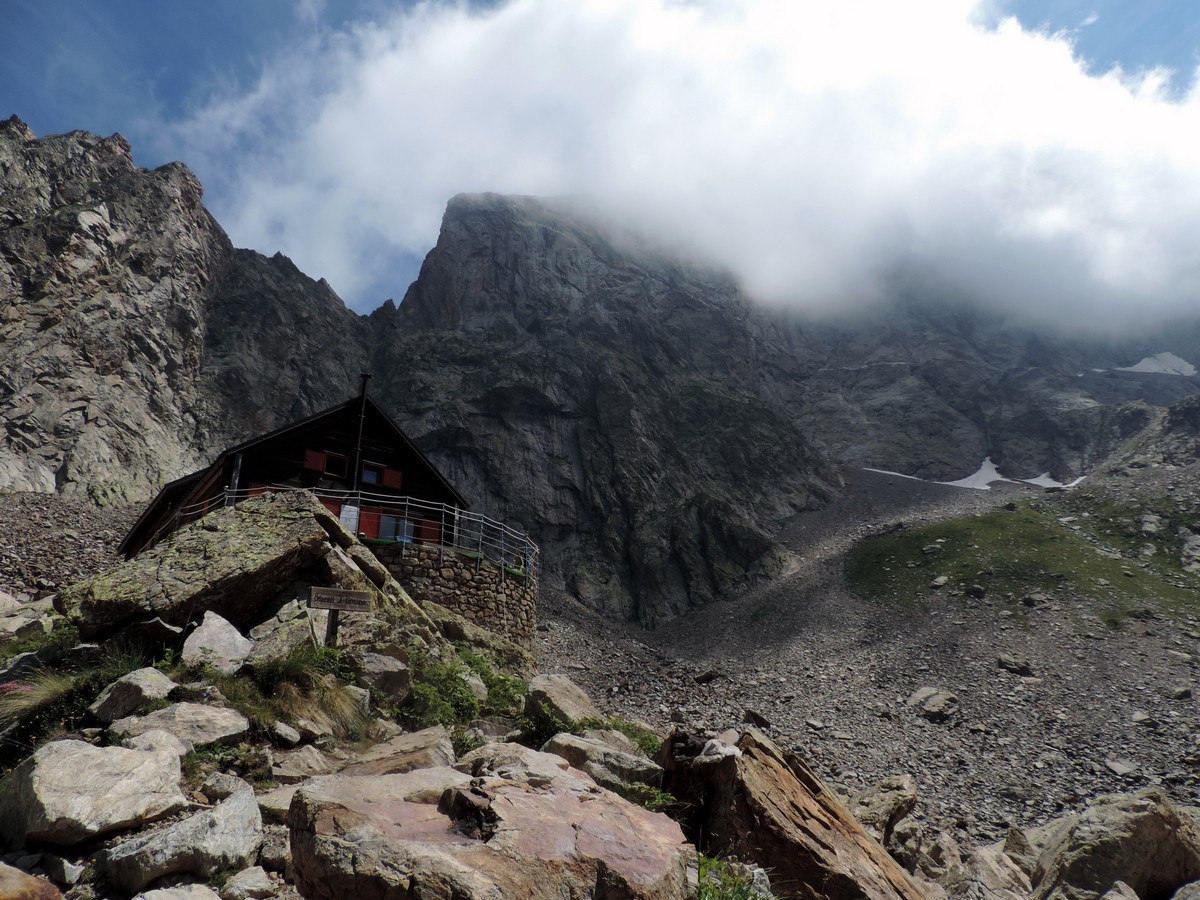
point(22, 698)
point(307, 683)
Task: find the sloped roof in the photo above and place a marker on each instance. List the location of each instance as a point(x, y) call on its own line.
point(179, 492)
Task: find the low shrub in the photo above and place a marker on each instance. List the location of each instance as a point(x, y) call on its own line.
point(719, 880)
point(440, 696)
point(505, 692)
point(307, 683)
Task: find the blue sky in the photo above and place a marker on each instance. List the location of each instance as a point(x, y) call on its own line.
point(335, 130)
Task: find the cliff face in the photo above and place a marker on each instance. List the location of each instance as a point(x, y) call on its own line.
point(645, 423)
point(134, 340)
point(604, 398)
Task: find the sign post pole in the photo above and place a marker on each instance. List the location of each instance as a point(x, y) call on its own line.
point(336, 600)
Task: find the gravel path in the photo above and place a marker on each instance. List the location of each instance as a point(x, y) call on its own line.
point(1103, 711)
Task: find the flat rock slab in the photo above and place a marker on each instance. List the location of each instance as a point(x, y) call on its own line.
point(301, 764)
point(130, 693)
point(70, 791)
point(220, 839)
point(249, 884)
point(273, 805)
point(194, 723)
point(157, 739)
point(181, 892)
point(231, 562)
point(217, 643)
point(610, 768)
point(418, 750)
point(439, 832)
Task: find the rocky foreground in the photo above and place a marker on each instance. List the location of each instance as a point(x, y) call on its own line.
point(198, 744)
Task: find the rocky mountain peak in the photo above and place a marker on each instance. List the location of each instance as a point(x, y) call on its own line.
point(14, 125)
point(120, 294)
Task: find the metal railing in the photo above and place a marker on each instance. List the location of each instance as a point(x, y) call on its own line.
point(414, 521)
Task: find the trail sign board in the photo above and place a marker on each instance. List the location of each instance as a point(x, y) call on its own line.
point(335, 598)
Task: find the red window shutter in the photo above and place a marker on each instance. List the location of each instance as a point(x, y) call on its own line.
point(391, 478)
point(368, 522)
point(314, 460)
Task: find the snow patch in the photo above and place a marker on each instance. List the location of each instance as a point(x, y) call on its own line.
point(897, 474)
point(985, 477)
point(1044, 480)
point(1162, 364)
point(981, 480)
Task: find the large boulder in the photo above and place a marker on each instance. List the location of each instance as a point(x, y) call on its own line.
point(246, 564)
point(986, 872)
point(609, 768)
point(181, 892)
point(442, 832)
point(879, 807)
point(130, 693)
point(196, 723)
point(231, 562)
point(385, 674)
point(70, 791)
point(1140, 839)
point(220, 839)
point(555, 700)
point(750, 800)
point(17, 885)
point(218, 644)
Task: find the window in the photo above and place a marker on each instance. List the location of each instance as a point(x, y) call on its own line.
point(372, 474)
point(394, 528)
point(331, 464)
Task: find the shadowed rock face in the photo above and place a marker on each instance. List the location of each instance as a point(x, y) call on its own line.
point(605, 398)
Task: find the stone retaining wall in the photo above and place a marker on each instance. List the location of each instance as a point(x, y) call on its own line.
point(477, 589)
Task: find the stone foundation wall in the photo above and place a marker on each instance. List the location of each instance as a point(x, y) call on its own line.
point(477, 589)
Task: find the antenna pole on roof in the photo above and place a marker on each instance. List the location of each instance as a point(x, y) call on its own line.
point(362, 416)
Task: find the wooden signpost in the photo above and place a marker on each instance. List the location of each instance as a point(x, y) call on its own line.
point(336, 600)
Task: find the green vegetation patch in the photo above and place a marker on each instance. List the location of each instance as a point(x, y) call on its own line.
point(1119, 523)
point(439, 696)
point(535, 732)
point(1010, 554)
point(505, 692)
point(246, 761)
point(720, 880)
point(64, 636)
point(308, 683)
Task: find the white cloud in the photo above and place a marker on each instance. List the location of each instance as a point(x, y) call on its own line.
point(816, 149)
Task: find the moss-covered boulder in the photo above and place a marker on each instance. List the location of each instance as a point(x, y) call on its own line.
point(248, 563)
